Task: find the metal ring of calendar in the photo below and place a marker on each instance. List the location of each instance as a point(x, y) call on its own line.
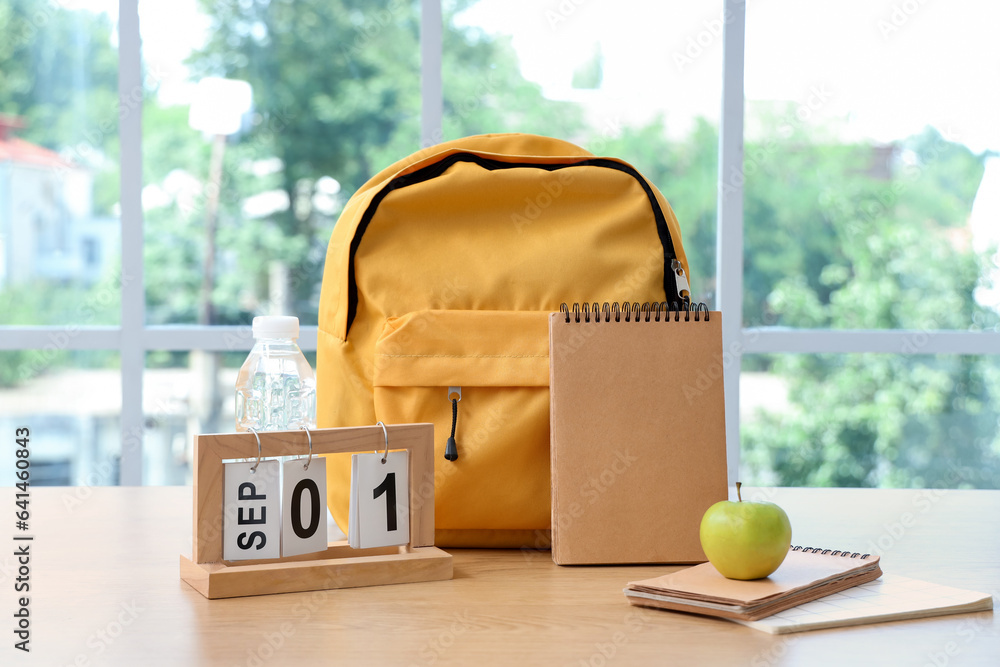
point(309, 460)
point(254, 431)
point(386, 434)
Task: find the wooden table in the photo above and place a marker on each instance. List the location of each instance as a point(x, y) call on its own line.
point(105, 590)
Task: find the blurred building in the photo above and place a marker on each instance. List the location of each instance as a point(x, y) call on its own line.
point(47, 227)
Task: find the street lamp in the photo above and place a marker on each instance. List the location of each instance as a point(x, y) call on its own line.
point(217, 110)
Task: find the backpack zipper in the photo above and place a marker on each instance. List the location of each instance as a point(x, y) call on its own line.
point(683, 288)
point(451, 449)
point(670, 277)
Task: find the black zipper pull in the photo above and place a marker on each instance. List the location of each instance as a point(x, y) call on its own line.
point(451, 449)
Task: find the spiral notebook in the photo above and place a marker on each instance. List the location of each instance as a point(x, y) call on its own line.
point(809, 591)
point(805, 575)
point(638, 432)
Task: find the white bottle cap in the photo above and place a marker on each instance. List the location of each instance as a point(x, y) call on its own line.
point(275, 326)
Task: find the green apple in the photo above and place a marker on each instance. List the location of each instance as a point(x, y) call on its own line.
point(745, 540)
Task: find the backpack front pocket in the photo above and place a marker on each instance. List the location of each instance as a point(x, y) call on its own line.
point(485, 376)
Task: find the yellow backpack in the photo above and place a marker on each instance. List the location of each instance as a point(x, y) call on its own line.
point(439, 277)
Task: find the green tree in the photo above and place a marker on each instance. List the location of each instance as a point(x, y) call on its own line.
point(876, 248)
point(484, 91)
point(337, 93)
point(322, 98)
point(175, 167)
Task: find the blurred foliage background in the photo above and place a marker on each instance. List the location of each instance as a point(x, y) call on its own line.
point(838, 235)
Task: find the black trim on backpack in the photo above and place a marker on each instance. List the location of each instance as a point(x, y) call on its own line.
point(438, 168)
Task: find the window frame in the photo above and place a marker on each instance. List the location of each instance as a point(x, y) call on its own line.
point(133, 338)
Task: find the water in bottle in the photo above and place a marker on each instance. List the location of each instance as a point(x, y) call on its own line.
point(276, 387)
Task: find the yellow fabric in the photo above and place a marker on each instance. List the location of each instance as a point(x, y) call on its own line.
point(500, 359)
point(478, 348)
point(454, 277)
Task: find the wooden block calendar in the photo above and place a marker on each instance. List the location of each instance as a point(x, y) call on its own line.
point(338, 566)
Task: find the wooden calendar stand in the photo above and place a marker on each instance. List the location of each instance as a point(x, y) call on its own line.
point(339, 566)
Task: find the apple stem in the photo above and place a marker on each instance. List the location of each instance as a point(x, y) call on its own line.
point(738, 485)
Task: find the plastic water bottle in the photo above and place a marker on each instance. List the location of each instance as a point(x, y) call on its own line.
point(276, 387)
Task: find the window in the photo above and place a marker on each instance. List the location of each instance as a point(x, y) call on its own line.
point(868, 234)
point(832, 178)
point(60, 294)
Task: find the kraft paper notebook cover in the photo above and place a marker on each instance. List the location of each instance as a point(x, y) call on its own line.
point(847, 592)
point(804, 575)
point(638, 433)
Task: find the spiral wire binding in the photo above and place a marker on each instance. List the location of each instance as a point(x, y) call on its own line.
point(633, 311)
point(842, 554)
